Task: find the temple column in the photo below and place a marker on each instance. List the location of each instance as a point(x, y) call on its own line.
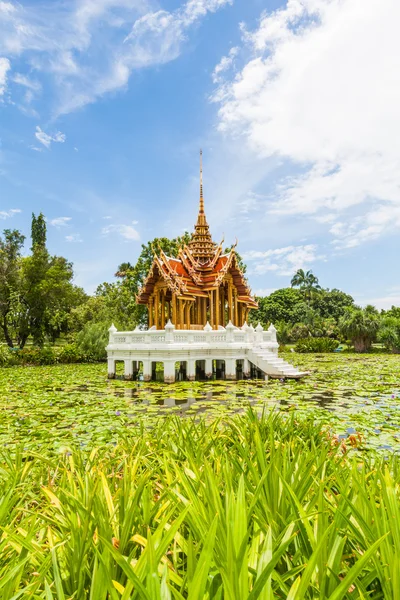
point(235, 308)
point(204, 319)
point(146, 369)
point(156, 310)
point(150, 310)
point(169, 371)
point(230, 315)
point(217, 308)
point(230, 368)
point(111, 368)
point(212, 309)
point(174, 310)
point(191, 369)
point(128, 369)
point(222, 294)
point(163, 309)
point(209, 368)
point(181, 317)
point(187, 311)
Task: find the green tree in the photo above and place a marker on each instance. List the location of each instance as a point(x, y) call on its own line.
point(389, 333)
point(285, 305)
point(11, 245)
point(331, 303)
point(360, 326)
point(307, 282)
point(38, 231)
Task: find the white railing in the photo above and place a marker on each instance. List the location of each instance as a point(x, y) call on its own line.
point(164, 337)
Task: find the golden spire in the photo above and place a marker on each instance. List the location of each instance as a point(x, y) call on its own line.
point(201, 245)
point(201, 209)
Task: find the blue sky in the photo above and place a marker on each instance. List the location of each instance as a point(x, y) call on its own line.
point(104, 105)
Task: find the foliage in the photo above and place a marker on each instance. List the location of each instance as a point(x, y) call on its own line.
point(254, 508)
point(285, 305)
point(92, 340)
point(361, 327)
point(318, 344)
point(308, 284)
point(299, 331)
point(36, 291)
point(332, 303)
point(389, 333)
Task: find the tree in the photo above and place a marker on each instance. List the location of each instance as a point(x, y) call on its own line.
point(332, 303)
point(38, 231)
point(36, 291)
point(389, 333)
point(285, 305)
point(10, 278)
point(307, 282)
point(360, 326)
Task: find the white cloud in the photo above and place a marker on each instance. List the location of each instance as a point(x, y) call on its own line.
point(224, 64)
point(60, 221)
point(391, 298)
point(128, 232)
point(46, 139)
point(89, 48)
point(5, 66)
point(282, 261)
point(73, 238)
point(6, 214)
point(321, 89)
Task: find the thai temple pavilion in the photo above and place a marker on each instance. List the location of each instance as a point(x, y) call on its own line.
point(198, 305)
point(201, 285)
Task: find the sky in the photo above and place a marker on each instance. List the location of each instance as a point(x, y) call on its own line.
point(104, 105)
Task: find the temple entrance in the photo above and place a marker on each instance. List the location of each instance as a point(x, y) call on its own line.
point(181, 370)
point(218, 369)
point(157, 371)
point(239, 369)
point(201, 370)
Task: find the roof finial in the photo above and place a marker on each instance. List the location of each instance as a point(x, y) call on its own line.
point(201, 183)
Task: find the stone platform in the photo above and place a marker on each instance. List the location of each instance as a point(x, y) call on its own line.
point(234, 349)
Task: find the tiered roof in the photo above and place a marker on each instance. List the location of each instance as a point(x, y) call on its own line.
point(200, 267)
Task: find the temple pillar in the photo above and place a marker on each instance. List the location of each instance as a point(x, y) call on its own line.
point(204, 319)
point(174, 315)
point(162, 309)
point(111, 368)
point(222, 294)
point(209, 368)
point(181, 319)
point(146, 369)
point(230, 315)
point(212, 309)
point(230, 368)
point(246, 368)
point(156, 309)
point(235, 308)
point(191, 369)
point(150, 311)
point(128, 369)
point(217, 308)
point(169, 371)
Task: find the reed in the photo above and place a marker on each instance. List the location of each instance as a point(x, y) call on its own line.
point(256, 507)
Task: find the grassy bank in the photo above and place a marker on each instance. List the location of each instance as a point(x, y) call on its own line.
point(250, 508)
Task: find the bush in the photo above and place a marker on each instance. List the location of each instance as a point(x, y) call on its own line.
point(322, 344)
point(389, 334)
point(92, 341)
point(70, 353)
point(5, 355)
point(37, 356)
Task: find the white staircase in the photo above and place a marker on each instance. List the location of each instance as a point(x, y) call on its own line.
point(270, 364)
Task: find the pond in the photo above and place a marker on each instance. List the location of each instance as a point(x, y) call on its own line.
point(51, 408)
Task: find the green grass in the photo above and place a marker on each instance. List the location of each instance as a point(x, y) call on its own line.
point(251, 508)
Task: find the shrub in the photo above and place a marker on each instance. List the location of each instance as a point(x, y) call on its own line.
point(299, 331)
point(389, 333)
point(92, 341)
point(70, 354)
point(5, 355)
point(322, 344)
